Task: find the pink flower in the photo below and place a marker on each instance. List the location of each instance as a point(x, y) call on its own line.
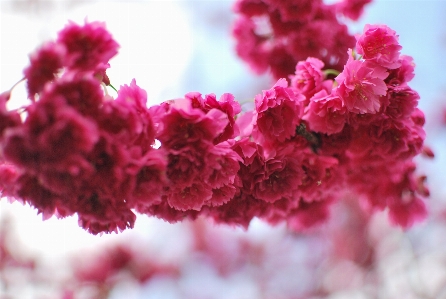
point(29, 190)
point(249, 45)
point(82, 92)
point(238, 211)
point(223, 162)
point(326, 113)
point(191, 197)
point(51, 132)
point(246, 122)
point(199, 173)
point(183, 125)
point(356, 121)
point(321, 176)
point(389, 182)
point(87, 46)
point(402, 102)
point(361, 86)
point(290, 10)
point(252, 168)
point(133, 94)
point(387, 139)
point(186, 165)
point(280, 61)
point(308, 77)
point(336, 144)
point(352, 9)
point(322, 38)
point(196, 167)
point(128, 117)
point(277, 112)
point(222, 195)
point(283, 175)
point(146, 178)
point(226, 104)
point(250, 7)
point(394, 185)
point(100, 215)
point(403, 74)
point(379, 44)
point(44, 64)
point(167, 213)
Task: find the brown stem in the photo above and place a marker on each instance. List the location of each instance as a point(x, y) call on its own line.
point(312, 138)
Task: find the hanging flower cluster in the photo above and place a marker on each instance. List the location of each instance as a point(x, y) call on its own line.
point(369, 121)
point(77, 150)
point(274, 35)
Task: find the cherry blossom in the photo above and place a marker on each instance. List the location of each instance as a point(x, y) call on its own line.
point(309, 141)
point(87, 46)
point(308, 77)
point(361, 86)
point(379, 44)
point(326, 113)
point(274, 35)
point(277, 112)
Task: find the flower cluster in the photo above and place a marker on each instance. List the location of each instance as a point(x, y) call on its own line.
point(275, 34)
point(78, 150)
point(75, 149)
point(368, 119)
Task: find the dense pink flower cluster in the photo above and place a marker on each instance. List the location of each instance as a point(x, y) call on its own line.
point(78, 150)
point(369, 121)
point(273, 35)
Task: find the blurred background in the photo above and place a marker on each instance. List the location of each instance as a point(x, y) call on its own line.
point(174, 47)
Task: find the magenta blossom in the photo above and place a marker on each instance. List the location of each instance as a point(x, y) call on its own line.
point(87, 46)
point(352, 9)
point(402, 102)
point(226, 104)
point(326, 113)
point(277, 112)
point(250, 46)
point(251, 7)
point(379, 44)
point(44, 64)
point(308, 77)
point(290, 10)
point(183, 125)
point(128, 117)
point(283, 175)
point(404, 73)
point(82, 92)
point(361, 86)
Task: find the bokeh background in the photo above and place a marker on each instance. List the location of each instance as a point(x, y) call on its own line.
point(174, 47)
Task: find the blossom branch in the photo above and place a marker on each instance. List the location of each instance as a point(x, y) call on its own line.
point(312, 138)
